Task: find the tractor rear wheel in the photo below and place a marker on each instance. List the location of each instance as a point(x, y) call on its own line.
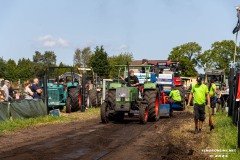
point(153, 99)
point(76, 99)
point(68, 105)
point(143, 113)
point(99, 98)
point(93, 97)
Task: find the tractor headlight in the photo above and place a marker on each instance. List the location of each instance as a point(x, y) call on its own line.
point(118, 99)
point(126, 98)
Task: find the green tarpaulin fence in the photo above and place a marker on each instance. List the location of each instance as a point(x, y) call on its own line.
point(4, 111)
point(22, 109)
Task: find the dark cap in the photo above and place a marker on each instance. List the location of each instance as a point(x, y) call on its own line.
point(199, 79)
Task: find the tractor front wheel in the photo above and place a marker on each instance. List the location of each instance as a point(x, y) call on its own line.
point(105, 112)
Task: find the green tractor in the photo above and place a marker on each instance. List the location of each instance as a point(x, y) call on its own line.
point(65, 90)
point(121, 98)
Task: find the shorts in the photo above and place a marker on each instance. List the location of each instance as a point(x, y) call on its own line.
point(213, 101)
point(199, 112)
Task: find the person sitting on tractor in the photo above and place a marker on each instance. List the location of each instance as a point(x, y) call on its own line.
point(133, 79)
point(174, 97)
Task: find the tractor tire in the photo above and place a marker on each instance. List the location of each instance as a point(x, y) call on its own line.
point(112, 97)
point(153, 99)
point(99, 98)
point(104, 112)
point(143, 113)
point(182, 93)
point(68, 105)
point(76, 99)
point(93, 97)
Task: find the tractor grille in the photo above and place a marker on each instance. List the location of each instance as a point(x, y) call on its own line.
point(122, 94)
point(53, 95)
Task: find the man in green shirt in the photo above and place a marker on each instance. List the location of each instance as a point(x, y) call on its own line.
point(213, 96)
point(174, 97)
point(201, 96)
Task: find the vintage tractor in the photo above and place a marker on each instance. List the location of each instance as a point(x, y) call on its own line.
point(168, 76)
point(65, 91)
point(123, 99)
point(217, 74)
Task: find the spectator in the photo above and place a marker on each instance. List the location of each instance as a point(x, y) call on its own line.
point(11, 90)
point(2, 95)
point(36, 89)
point(28, 94)
point(5, 88)
point(213, 96)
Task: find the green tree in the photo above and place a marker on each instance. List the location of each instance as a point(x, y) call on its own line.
point(77, 58)
point(99, 62)
point(25, 69)
point(11, 71)
point(81, 58)
point(86, 54)
point(120, 59)
point(219, 56)
point(2, 67)
point(42, 61)
point(187, 55)
point(63, 70)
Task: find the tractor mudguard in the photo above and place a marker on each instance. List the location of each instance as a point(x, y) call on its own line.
point(149, 86)
point(115, 85)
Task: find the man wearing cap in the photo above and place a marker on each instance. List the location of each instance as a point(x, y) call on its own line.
point(133, 79)
point(5, 88)
point(201, 96)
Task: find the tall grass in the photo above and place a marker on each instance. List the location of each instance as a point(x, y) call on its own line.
point(12, 125)
point(224, 136)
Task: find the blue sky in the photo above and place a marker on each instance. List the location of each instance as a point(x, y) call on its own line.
point(146, 28)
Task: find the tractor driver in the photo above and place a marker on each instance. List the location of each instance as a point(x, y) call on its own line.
point(174, 97)
point(133, 79)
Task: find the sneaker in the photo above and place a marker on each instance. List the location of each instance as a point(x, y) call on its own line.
point(196, 131)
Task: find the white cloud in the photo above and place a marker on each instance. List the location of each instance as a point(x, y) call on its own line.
point(50, 41)
point(122, 47)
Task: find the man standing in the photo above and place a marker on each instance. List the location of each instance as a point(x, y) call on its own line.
point(200, 93)
point(213, 96)
point(36, 89)
point(133, 79)
point(5, 88)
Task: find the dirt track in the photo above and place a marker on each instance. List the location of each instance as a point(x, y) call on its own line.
point(166, 139)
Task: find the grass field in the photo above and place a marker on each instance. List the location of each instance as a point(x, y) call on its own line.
point(224, 137)
point(11, 125)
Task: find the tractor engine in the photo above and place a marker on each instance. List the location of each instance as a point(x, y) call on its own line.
point(124, 98)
